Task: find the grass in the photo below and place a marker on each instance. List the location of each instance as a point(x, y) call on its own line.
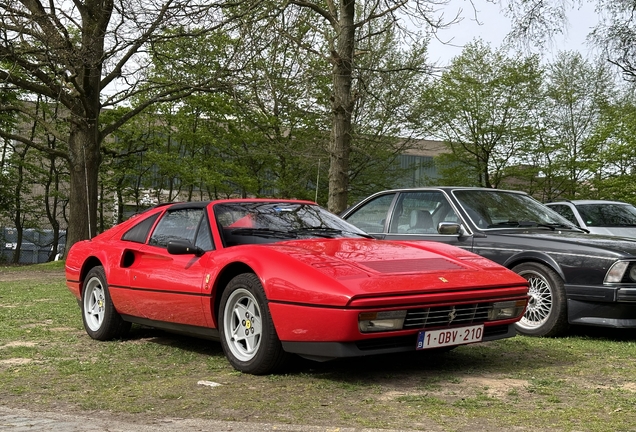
point(583, 382)
point(53, 265)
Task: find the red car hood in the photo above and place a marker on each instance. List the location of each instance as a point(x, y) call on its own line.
point(365, 268)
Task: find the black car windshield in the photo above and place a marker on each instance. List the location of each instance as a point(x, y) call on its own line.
point(607, 215)
point(495, 209)
point(266, 222)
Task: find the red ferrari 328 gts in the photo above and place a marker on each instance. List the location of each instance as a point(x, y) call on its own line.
point(273, 277)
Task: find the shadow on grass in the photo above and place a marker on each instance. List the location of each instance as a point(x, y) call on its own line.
point(176, 340)
point(604, 333)
point(472, 359)
point(499, 357)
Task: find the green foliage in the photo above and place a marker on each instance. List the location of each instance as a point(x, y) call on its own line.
point(7, 122)
point(259, 139)
point(388, 79)
point(615, 35)
point(5, 193)
point(576, 89)
point(483, 107)
point(29, 180)
point(247, 110)
point(615, 175)
point(551, 131)
point(453, 172)
point(268, 134)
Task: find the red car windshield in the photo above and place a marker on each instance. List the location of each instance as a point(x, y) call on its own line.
point(262, 222)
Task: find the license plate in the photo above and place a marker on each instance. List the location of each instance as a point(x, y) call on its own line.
point(449, 337)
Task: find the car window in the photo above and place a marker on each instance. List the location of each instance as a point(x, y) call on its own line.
point(420, 212)
point(500, 209)
point(268, 222)
point(139, 232)
point(607, 215)
point(565, 211)
point(204, 235)
point(179, 224)
point(372, 215)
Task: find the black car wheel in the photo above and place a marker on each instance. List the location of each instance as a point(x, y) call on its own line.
point(546, 314)
point(101, 320)
point(248, 335)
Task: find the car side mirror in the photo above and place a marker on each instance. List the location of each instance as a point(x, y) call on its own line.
point(449, 228)
point(183, 247)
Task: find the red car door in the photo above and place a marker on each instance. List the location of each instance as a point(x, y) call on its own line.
point(170, 287)
point(173, 288)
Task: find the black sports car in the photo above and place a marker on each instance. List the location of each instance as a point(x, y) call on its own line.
point(575, 277)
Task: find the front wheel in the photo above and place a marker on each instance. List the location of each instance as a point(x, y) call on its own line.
point(101, 320)
point(247, 331)
point(546, 314)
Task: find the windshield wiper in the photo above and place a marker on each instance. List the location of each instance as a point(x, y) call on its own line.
point(329, 232)
point(369, 236)
point(561, 225)
point(263, 232)
point(523, 224)
point(504, 224)
point(318, 231)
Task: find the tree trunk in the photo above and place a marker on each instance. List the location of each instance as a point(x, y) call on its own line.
point(342, 107)
point(54, 243)
point(84, 164)
point(17, 216)
point(18, 243)
point(53, 181)
point(17, 221)
point(84, 145)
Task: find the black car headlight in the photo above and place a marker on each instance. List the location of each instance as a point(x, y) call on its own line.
point(621, 272)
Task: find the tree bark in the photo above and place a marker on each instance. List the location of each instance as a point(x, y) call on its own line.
point(84, 137)
point(342, 108)
point(84, 164)
point(52, 182)
point(17, 216)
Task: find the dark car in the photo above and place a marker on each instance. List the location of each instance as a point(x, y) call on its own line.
point(575, 277)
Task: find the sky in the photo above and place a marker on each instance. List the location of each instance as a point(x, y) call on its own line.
point(495, 26)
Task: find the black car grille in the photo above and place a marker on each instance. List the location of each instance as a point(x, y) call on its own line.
point(442, 316)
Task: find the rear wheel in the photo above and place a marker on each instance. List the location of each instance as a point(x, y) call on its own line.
point(101, 320)
point(247, 331)
point(546, 314)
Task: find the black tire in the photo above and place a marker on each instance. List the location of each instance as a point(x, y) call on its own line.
point(247, 331)
point(101, 320)
point(546, 314)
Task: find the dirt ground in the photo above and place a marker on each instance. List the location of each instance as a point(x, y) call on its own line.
point(9, 275)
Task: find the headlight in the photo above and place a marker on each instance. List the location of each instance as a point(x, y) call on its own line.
point(507, 309)
point(617, 271)
point(632, 273)
point(381, 321)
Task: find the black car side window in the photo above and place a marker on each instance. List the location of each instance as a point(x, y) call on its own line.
point(372, 215)
point(139, 233)
point(179, 224)
point(421, 212)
